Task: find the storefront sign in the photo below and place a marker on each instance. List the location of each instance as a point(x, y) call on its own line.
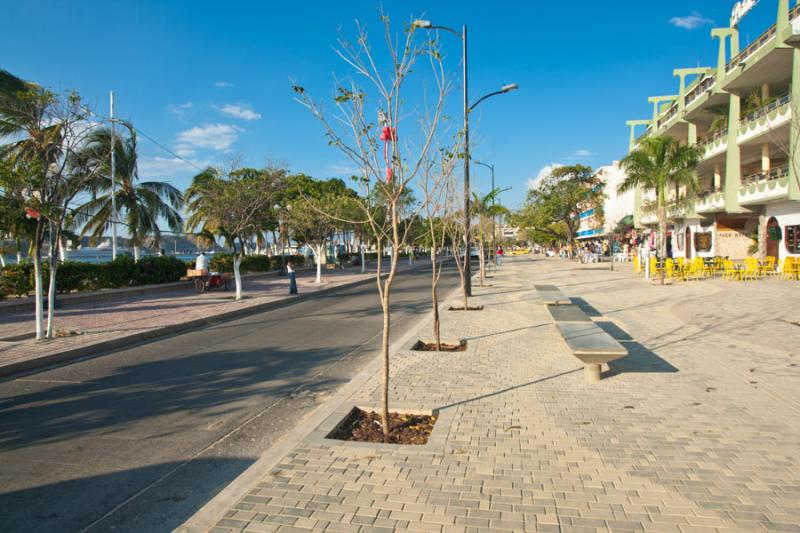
point(740, 9)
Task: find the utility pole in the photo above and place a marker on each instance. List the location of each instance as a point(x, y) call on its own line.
point(467, 255)
point(113, 183)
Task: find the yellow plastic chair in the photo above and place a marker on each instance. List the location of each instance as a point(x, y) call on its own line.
point(654, 270)
point(636, 267)
point(751, 269)
point(790, 268)
point(731, 273)
point(768, 268)
point(671, 272)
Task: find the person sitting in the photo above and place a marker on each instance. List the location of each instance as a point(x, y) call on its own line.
point(201, 263)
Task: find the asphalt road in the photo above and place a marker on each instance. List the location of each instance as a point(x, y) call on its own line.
point(139, 439)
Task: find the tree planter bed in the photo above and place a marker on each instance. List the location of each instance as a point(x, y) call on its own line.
point(366, 426)
point(423, 346)
point(470, 308)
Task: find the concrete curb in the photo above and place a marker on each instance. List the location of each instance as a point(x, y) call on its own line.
point(104, 347)
point(213, 511)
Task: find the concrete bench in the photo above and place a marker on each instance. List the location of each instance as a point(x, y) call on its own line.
point(551, 295)
point(592, 345)
point(568, 313)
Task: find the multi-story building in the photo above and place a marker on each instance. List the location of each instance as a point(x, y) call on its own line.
point(596, 221)
point(745, 115)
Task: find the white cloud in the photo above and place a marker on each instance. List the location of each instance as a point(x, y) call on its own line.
point(214, 136)
point(343, 170)
point(543, 173)
point(690, 22)
point(165, 167)
point(179, 110)
point(242, 111)
point(223, 84)
point(184, 150)
point(582, 153)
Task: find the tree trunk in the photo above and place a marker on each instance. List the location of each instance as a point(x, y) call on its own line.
point(38, 288)
point(62, 250)
point(363, 260)
point(19, 251)
point(435, 302)
point(237, 261)
point(385, 356)
point(318, 249)
point(2, 260)
point(51, 297)
point(662, 234)
point(482, 263)
point(135, 253)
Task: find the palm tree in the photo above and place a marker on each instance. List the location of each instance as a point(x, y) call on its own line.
point(658, 163)
point(140, 205)
point(486, 209)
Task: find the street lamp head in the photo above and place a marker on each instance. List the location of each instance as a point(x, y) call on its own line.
point(509, 87)
point(423, 24)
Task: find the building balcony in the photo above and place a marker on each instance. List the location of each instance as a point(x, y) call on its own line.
point(705, 85)
point(667, 116)
point(765, 60)
point(710, 201)
point(765, 187)
point(768, 118)
point(714, 144)
point(648, 218)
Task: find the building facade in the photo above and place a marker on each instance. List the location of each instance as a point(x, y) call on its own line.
point(598, 221)
point(744, 115)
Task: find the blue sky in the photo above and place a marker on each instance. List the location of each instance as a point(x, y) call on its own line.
point(211, 79)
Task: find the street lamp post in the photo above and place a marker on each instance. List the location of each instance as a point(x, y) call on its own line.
point(426, 24)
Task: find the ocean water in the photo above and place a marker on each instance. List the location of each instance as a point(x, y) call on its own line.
point(95, 257)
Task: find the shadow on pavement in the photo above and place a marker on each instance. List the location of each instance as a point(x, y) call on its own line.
point(508, 389)
point(639, 358)
point(54, 510)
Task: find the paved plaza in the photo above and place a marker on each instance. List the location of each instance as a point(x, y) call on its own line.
point(696, 430)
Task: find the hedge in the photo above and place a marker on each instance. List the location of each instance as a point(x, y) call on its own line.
point(76, 276)
point(252, 263)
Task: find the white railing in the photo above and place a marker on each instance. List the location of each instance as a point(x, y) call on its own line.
point(774, 174)
point(763, 110)
point(699, 89)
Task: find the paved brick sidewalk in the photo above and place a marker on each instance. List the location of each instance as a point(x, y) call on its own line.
point(675, 438)
point(134, 315)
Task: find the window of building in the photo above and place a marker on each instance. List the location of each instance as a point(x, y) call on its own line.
point(702, 241)
point(792, 240)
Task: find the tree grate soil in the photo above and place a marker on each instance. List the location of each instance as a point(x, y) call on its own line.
point(470, 308)
point(422, 346)
point(366, 426)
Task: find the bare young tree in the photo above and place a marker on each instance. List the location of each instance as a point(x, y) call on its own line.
point(436, 176)
point(388, 165)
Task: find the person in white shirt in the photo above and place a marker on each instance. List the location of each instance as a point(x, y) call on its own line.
point(201, 263)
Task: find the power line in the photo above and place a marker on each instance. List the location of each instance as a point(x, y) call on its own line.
point(146, 136)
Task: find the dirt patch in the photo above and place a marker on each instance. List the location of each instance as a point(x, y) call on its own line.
point(366, 426)
point(470, 308)
point(422, 346)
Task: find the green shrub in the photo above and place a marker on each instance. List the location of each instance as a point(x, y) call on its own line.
point(164, 269)
point(121, 272)
point(16, 279)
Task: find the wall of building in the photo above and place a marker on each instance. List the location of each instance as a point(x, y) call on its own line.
point(787, 214)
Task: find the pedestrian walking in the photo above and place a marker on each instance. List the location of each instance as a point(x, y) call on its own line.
point(498, 256)
point(292, 278)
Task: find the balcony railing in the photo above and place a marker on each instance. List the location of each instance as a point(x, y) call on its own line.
point(763, 110)
point(671, 112)
point(747, 52)
point(774, 174)
point(705, 193)
point(711, 139)
point(699, 89)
